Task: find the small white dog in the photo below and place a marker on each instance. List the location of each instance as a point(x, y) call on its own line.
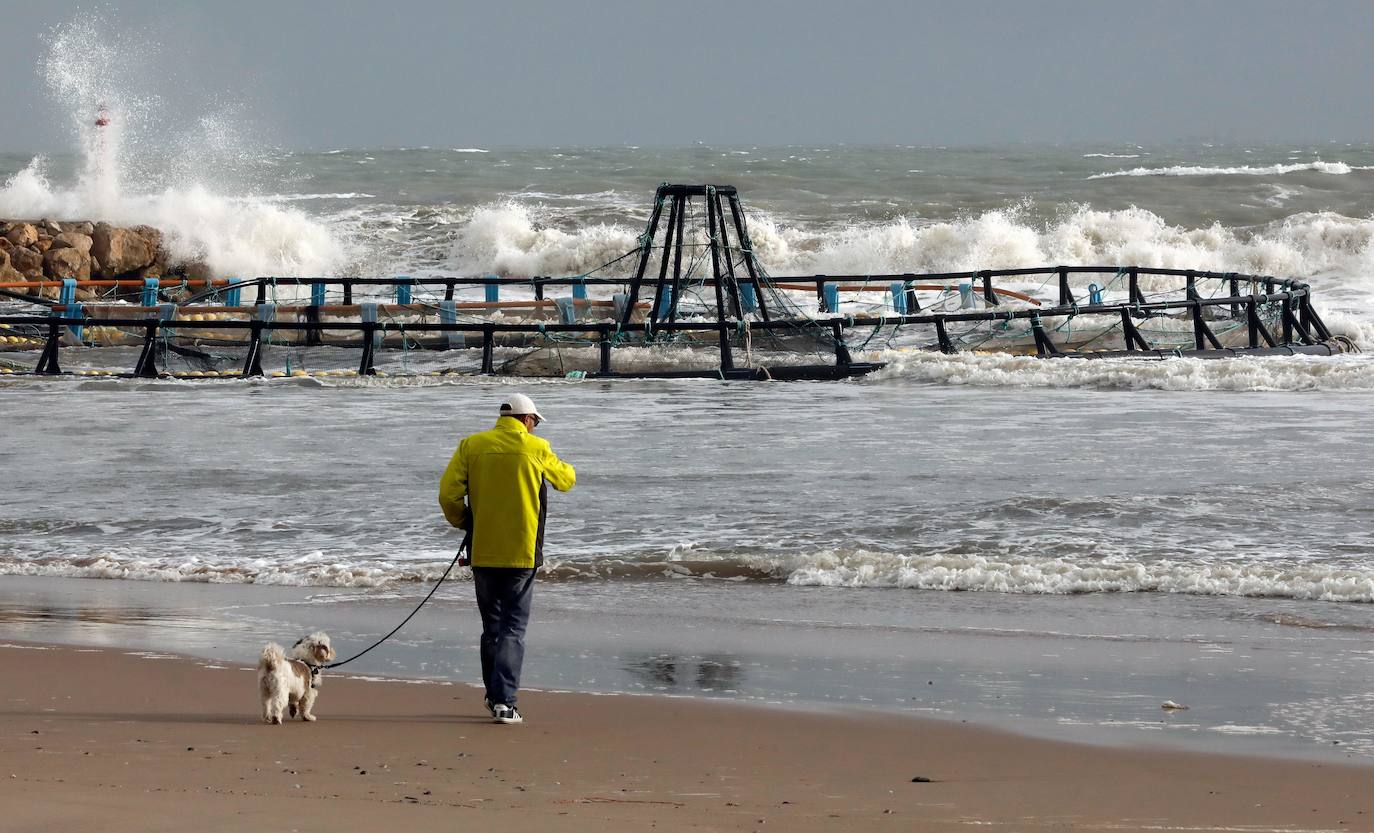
point(290, 685)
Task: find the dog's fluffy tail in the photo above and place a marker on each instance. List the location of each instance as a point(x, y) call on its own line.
point(272, 656)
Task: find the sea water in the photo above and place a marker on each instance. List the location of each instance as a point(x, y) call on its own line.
point(1059, 545)
point(1059, 560)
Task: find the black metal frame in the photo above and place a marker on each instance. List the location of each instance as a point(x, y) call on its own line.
point(1301, 329)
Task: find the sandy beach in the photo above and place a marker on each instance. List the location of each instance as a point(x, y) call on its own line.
point(99, 740)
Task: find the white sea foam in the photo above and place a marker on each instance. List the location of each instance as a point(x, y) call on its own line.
point(1243, 373)
point(1236, 729)
point(314, 570)
point(507, 239)
point(304, 197)
point(832, 568)
point(1341, 719)
point(1281, 195)
point(1335, 168)
point(861, 568)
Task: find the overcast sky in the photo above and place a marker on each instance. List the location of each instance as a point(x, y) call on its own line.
point(559, 72)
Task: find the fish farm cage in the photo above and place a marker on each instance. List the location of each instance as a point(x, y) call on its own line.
point(693, 300)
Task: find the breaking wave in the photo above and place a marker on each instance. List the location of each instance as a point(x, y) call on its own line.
point(1060, 576)
point(1242, 373)
point(1333, 251)
point(507, 238)
point(856, 568)
point(1335, 168)
point(521, 240)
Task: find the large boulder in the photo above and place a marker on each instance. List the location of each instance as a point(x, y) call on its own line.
point(22, 234)
point(150, 235)
point(82, 228)
point(7, 272)
point(27, 261)
point(119, 251)
point(67, 263)
point(153, 237)
point(53, 229)
point(196, 270)
point(72, 240)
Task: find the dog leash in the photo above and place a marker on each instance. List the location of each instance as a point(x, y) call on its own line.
point(462, 548)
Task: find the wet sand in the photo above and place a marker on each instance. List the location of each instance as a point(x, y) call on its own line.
point(95, 740)
point(1089, 668)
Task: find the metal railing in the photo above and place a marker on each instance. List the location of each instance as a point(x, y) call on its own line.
point(1286, 302)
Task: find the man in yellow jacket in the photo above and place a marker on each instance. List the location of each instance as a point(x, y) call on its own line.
point(504, 474)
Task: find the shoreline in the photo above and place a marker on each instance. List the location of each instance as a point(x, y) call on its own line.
point(1091, 670)
point(1080, 669)
point(118, 740)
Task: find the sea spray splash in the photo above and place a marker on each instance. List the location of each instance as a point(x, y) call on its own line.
point(143, 164)
point(85, 75)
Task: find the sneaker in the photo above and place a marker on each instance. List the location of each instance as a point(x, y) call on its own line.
point(502, 713)
point(491, 707)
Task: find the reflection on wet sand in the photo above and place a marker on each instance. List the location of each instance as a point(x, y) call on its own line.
point(91, 615)
point(44, 621)
point(687, 673)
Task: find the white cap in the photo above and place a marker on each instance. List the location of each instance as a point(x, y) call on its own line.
point(518, 404)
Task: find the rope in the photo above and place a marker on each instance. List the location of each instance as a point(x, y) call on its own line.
point(876, 327)
point(467, 539)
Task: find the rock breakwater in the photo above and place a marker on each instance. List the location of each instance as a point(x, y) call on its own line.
point(40, 251)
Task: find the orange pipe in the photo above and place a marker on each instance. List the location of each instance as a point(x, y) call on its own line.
point(109, 283)
point(849, 287)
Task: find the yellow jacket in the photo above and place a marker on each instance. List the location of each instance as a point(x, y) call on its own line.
point(503, 473)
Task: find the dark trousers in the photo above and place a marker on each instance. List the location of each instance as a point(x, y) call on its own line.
point(503, 598)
